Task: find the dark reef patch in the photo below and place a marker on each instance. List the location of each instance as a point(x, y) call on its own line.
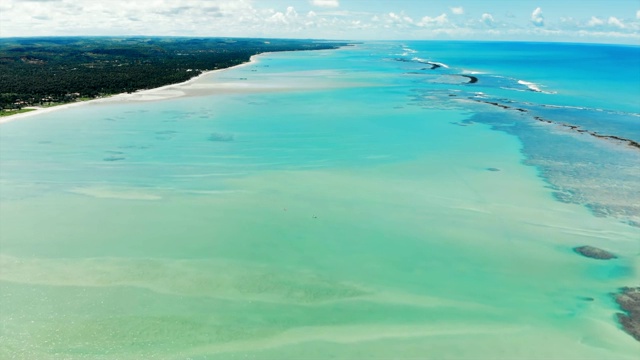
point(629, 301)
point(594, 252)
point(114, 158)
point(219, 137)
point(472, 79)
point(575, 128)
point(432, 65)
point(459, 123)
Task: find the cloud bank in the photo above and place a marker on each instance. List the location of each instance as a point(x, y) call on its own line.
point(457, 10)
point(307, 19)
point(325, 3)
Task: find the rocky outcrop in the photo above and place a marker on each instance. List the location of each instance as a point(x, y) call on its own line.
point(594, 252)
point(629, 300)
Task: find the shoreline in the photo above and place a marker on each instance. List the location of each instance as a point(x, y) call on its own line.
point(159, 93)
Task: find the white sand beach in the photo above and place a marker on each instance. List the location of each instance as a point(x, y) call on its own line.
point(193, 86)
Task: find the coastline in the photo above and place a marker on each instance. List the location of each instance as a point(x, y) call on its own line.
point(221, 190)
point(160, 93)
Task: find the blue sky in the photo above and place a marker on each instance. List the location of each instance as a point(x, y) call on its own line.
point(608, 21)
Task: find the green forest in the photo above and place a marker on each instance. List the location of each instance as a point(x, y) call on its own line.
point(54, 70)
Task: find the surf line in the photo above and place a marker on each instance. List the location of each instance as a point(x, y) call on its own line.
point(434, 65)
point(576, 128)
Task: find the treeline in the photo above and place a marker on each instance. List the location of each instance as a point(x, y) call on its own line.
point(43, 71)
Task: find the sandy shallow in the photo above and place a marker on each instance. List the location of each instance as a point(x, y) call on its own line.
point(341, 224)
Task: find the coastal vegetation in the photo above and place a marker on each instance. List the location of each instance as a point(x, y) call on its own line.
point(56, 70)
point(8, 112)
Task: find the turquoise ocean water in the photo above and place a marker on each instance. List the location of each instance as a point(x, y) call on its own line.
point(414, 200)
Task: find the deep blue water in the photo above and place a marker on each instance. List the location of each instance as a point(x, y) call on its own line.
point(555, 97)
point(582, 75)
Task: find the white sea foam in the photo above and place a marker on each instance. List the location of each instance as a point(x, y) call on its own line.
point(430, 62)
point(472, 72)
point(439, 64)
point(535, 87)
point(510, 88)
point(569, 107)
point(530, 85)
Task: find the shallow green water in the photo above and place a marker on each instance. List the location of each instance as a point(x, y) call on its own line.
point(331, 223)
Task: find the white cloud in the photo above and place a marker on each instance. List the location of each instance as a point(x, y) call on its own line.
point(638, 14)
point(613, 21)
point(457, 10)
point(5, 6)
point(568, 20)
point(436, 21)
point(487, 19)
point(325, 3)
point(399, 19)
point(594, 21)
point(291, 12)
point(278, 18)
point(536, 17)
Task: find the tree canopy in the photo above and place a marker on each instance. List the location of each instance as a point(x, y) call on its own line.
point(42, 71)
